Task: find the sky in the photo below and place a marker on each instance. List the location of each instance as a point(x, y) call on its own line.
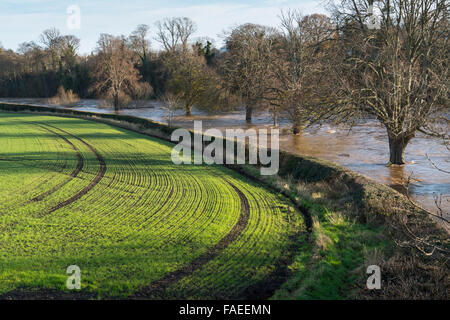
point(24, 20)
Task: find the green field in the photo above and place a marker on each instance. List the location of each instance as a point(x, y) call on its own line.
point(77, 192)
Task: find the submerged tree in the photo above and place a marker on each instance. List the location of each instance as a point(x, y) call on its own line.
point(114, 71)
point(247, 63)
point(297, 66)
point(395, 72)
point(192, 80)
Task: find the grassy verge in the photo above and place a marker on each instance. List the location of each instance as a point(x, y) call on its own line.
point(355, 225)
point(329, 265)
point(330, 261)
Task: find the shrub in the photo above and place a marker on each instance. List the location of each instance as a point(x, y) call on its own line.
point(64, 97)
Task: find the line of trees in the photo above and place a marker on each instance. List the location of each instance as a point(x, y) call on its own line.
point(311, 69)
point(38, 69)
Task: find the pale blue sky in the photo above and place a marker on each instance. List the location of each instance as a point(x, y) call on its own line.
point(24, 20)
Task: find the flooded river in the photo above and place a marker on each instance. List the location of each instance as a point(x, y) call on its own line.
point(363, 149)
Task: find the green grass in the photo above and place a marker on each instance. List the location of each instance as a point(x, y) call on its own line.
point(328, 265)
point(144, 219)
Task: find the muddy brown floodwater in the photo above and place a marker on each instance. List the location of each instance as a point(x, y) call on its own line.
point(363, 149)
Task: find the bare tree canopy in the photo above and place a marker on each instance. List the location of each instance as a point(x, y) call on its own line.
point(50, 37)
point(115, 73)
point(296, 66)
point(139, 41)
point(310, 69)
point(247, 62)
point(174, 33)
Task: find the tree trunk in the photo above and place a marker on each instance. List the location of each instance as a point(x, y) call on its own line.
point(188, 110)
point(296, 127)
point(116, 102)
point(275, 119)
point(397, 146)
point(248, 114)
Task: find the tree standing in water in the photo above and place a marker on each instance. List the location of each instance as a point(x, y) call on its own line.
point(395, 71)
point(297, 67)
point(114, 71)
point(246, 64)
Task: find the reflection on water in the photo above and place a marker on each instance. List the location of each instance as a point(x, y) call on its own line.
point(363, 149)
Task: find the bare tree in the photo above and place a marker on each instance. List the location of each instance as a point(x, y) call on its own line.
point(114, 71)
point(67, 47)
point(33, 56)
point(316, 27)
point(174, 33)
point(139, 42)
point(62, 49)
point(247, 62)
point(190, 79)
point(50, 38)
point(297, 67)
point(397, 73)
point(172, 102)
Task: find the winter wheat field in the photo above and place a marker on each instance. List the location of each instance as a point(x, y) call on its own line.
point(76, 192)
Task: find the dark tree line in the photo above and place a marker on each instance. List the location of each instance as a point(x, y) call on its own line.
point(38, 69)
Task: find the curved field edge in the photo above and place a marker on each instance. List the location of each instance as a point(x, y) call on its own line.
point(266, 211)
point(342, 203)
